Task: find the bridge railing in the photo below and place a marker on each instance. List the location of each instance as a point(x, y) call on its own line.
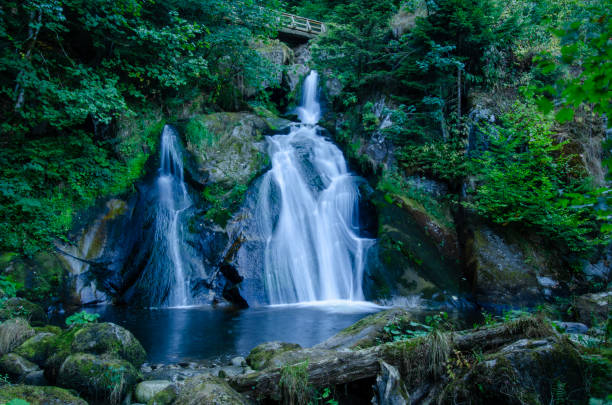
point(302, 24)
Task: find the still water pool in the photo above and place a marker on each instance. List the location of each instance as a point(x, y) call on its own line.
point(171, 335)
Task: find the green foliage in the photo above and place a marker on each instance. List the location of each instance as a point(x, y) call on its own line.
point(82, 318)
point(223, 201)
point(8, 288)
point(73, 72)
point(17, 401)
point(294, 384)
point(526, 178)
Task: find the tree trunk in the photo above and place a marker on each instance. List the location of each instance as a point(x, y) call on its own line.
point(346, 366)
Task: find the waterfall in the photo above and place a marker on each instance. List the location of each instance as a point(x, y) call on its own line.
point(165, 271)
point(313, 250)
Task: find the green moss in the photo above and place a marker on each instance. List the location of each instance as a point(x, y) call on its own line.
point(35, 395)
point(37, 348)
point(259, 358)
point(56, 330)
point(164, 397)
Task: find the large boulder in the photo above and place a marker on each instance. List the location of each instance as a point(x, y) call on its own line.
point(34, 395)
point(98, 377)
point(37, 348)
point(13, 333)
point(111, 339)
point(226, 148)
point(526, 371)
point(260, 357)
point(147, 390)
point(365, 332)
point(417, 253)
point(208, 390)
point(22, 308)
point(16, 367)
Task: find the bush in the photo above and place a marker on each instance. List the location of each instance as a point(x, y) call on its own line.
point(82, 318)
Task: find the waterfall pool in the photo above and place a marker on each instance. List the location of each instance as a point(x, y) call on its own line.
point(171, 335)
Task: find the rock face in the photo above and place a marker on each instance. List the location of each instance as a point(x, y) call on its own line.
point(98, 377)
point(39, 395)
point(507, 270)
point(591, 308)
point(208, 390)
point(417, 250)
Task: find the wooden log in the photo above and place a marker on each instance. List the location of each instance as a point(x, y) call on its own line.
point(346, 366)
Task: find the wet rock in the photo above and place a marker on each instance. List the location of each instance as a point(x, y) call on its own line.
point(108, 338)
point(229, 371)
point(16, 366)
point(592, 308)
point(35, 395)
point(238, 361)
point(572, 327)
point(365, 332)
point(259, 358)
point(37, 348)
point(35, 378)
point(13, 333)
point(22, 308)
point(208, 390)
point(97, 377)
point(146, 390)
point(389, 389)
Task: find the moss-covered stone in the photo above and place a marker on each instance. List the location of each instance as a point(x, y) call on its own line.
point(593, 308)
point(260, 357)
point(16, 366)
point(166, 396)
point(56, 330)
point(365, 332)
point(38, 348)
point(35, 395)
point(98, 377)
point(208, 390)
point(146, 390)
point(60, 349)
point(108, 338)
point(22, 308)
point(14, 332)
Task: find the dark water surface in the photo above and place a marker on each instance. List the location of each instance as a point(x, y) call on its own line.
point(212, 334)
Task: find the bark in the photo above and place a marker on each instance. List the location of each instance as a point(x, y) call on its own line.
point(348, 366)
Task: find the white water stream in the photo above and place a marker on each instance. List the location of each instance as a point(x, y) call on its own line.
point(313, 250)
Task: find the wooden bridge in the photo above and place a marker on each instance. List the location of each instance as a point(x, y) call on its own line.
point(300, 27)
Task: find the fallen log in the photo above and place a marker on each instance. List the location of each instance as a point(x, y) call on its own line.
point(341, 367)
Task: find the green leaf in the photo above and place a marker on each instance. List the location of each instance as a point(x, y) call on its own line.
point(564, 115)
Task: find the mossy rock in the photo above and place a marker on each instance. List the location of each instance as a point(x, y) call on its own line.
point(365, 332)
point(38, 348)
point(16, 366)
point(14, 332)
point(22, 308)
point(108, 338)
point(98, 377)
point(208, 390)
point(593, 308)
point(146, 390)
point(260, 357)
point(166, 396)
point(35, 395)
point(60, 349)
point(56, 330)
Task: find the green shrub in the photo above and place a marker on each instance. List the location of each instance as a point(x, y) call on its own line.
point(82, 318)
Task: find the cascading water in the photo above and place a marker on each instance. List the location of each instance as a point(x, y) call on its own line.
point(313, 250)
point(165, 271)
